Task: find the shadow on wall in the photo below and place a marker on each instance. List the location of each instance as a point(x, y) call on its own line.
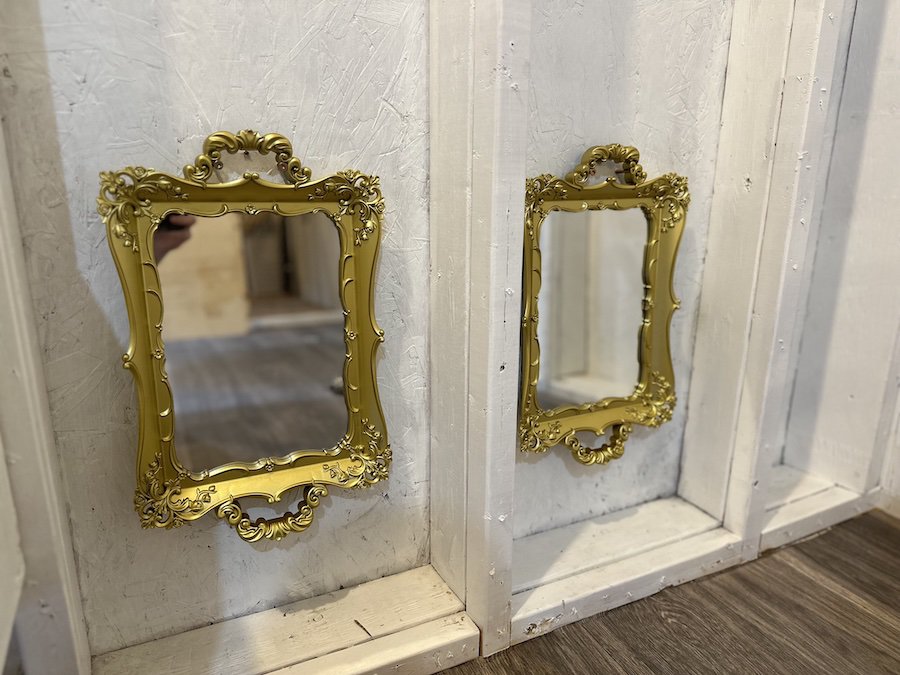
point(82, 332)
point(838, 200)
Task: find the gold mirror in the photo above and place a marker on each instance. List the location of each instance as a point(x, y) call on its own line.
point(269, 347)
point(599, 258)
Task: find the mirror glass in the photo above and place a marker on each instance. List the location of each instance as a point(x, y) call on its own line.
point(254, 335)
point(590, 305)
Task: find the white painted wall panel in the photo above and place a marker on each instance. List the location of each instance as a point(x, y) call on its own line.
point(649, 74)
point(87, 87)
point(847, 376)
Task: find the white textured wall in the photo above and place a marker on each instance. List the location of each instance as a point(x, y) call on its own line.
point(86, 87)
point(648, 73)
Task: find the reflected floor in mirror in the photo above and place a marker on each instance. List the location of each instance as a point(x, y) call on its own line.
point(254, 337)
point(262, 394)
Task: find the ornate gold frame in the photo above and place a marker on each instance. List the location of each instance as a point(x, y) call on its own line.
point(132, 203)
point(664, 202)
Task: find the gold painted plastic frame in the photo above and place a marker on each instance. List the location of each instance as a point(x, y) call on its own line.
point(664, 202)
point(133, 202)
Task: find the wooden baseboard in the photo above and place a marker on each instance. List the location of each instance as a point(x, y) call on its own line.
point(547, 607)
point(543, 558)
point(805, 505)
point(406, 617)
point(428, 648)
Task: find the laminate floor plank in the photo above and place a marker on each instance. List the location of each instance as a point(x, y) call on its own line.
point(869, 576)
point(830, 604)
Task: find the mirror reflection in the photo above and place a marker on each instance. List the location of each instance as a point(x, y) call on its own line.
point(254, 337)
point(590, 305)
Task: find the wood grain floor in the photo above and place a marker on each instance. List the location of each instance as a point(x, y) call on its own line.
point(830, 604)
point(263, 394)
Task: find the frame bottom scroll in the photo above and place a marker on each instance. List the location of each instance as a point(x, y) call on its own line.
point(273, 528)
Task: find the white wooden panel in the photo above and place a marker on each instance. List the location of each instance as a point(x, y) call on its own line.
point(756, 64)
point(787, 485)
point(549, 556)
point(814, 70)
point(429, 648)
point(501, 31)
point(845, 373)
point(450, 173)
point(276, 638)
point(814, 83)
point(51, 631)
point(886, 429)
point(890, 482)
point(12, 565)
point(801, 518)
point(543, 609)
point(99, 86)
point(649, 74)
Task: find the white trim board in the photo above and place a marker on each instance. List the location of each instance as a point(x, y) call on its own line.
point(754, 82)
point(812, 513)
point(277, 638)
point(813, 78)
point(787, 485)
point(428, 648)
point(556, 604)
point(556, 554)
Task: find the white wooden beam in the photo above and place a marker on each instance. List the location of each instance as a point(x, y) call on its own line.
point(756, 61)
point(848, 368)
point(812, 83)
point(450, 119)
point(500, 71)
point(50, 624)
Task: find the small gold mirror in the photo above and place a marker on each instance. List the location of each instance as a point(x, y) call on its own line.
point(598, 266)
point(269, 347)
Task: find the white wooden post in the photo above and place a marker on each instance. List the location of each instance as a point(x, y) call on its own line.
point(50, 623)
point(813, 79)
point(450, 101)
point(757, 59)
point(499, 107)
point(847, 374)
